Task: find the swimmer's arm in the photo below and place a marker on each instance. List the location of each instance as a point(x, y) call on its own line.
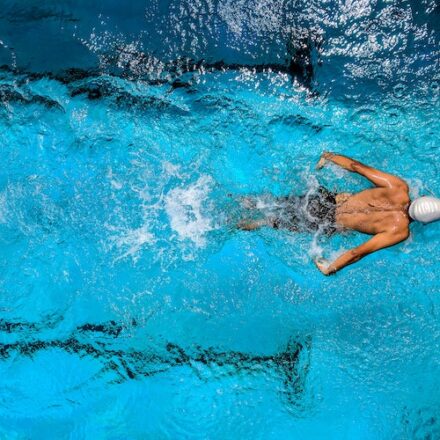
point(379, 178)
point(379, 241)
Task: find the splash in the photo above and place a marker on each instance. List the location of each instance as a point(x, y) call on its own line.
point(132, 241)
point(185, 210)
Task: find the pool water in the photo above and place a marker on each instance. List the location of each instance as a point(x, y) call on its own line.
point(132, 307)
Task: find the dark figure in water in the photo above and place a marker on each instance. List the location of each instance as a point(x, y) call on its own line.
point(384, 212)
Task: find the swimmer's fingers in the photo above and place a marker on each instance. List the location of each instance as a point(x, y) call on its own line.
point(322, 265)
point(325, 156)
point(321, 163)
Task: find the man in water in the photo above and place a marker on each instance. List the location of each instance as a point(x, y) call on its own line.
point(384, 211)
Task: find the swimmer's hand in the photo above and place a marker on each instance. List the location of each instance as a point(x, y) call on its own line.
point(325, 157)
point(322, 265)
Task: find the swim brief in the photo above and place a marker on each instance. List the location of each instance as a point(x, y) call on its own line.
point(308, 213)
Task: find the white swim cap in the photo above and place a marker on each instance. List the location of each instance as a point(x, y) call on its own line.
point(425, 209)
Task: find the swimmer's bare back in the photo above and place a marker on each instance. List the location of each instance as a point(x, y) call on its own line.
point(381, 211)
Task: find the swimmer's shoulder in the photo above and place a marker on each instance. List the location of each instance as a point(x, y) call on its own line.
point(399, 225)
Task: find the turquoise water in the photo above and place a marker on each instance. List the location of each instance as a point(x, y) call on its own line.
point(130, 305)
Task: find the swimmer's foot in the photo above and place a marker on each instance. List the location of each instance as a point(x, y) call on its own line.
point(251, 225)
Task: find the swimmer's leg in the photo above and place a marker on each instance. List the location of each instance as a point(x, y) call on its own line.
point(252, 225)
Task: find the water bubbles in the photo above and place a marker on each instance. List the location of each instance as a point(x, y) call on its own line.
point(363, 115)
point(132, 241)
point(184, 207)
point(394, 114)
point(194, 410)
point(399, 90)
point(435, 87)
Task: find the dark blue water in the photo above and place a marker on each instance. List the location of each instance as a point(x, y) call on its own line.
point(130, 306)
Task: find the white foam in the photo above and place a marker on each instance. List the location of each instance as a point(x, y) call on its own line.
point(185, 206)
point(128, 241)
point(132, 241)
point(115, 184)
point(416, 188)
point(335, 254)
point(315, 250)
point(171, 169)
point(265, 202)
point(338, 171)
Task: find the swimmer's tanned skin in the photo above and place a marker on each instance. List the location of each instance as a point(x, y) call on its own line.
point(381, 211)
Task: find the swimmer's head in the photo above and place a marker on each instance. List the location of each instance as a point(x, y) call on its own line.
point(425, 209)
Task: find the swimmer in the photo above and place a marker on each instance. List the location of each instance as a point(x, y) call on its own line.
point(384, 211)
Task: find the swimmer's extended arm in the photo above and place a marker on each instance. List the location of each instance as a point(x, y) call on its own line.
point(379, 241)
point(379, 178)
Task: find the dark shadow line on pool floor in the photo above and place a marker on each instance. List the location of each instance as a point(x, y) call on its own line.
point(290, 365)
